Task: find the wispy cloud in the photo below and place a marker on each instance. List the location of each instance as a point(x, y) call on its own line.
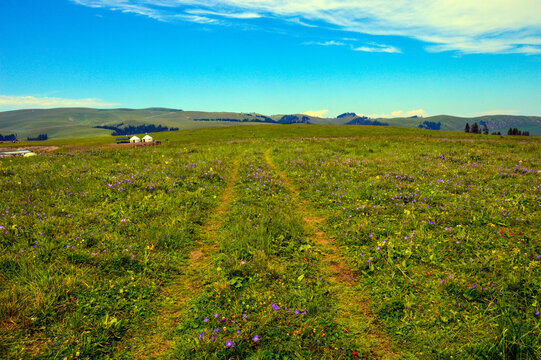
point(14, 102)
point(496, 112)
point(236, 15)
point(400, 113)
point(318, 113)
point(325, 43)
point(465, 26)
point(378, 48)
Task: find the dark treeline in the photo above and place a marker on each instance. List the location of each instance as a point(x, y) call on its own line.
point(348, 114)
point(517, 132)
point(430, 125)
point(139, 129)
point(10, 137)
point(294, 119)
point(257, 120)
point(476, 129)
point(40, 137)
point(364, 121)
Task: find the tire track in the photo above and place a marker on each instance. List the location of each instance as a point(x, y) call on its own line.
point(185, 286)
point(352, 302)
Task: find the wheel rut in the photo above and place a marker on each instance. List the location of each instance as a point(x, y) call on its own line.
point(352, 302)
point(187, 285)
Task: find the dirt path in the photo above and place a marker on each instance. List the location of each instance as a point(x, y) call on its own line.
point(186, 286)
point(351, 300)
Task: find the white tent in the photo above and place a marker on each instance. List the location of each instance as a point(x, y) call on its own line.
point(148, 138)
point(135, 139)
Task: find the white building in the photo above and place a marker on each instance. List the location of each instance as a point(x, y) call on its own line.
point(134, 139)
point(147, 138)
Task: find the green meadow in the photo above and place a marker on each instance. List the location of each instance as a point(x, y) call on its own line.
point(274, 242)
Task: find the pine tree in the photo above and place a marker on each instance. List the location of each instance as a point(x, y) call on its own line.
point(475, 129)
point(485, 129)
point(467, 128)
point(510, 131)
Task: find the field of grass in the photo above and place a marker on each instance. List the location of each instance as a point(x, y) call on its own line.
point(272, 242)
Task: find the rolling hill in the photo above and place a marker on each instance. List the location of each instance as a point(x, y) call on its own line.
point(83, 122)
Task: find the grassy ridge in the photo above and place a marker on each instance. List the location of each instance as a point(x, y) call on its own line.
point(66, 123)
point(80, 122)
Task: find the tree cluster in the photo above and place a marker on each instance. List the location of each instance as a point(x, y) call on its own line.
point(263, 119)
point(517, 132)
point(10, 137)
point(139, 129)
point(430, 125)
point(476, 129)
point(40, 137)
point(364, 121)
point(294, 119)
point(347, 114)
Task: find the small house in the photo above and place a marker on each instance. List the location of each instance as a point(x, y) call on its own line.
point(122, 139)
point(134, 139)
point(147, 138)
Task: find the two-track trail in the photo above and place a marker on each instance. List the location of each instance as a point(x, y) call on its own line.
point(351, 300)
point(187, 285)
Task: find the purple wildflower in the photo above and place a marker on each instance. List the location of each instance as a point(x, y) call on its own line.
point(255, 338)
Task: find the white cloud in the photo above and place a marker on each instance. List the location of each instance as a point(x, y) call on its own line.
point(490, 26)
point(49, 102)
point(378, 48)
point(325, 43)
point(225, 14)
point(400, 113)
point(496, 112)
point(318, 113)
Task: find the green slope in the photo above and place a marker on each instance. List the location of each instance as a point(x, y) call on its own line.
point(494, 122)
point(66, 123)
point(80, 122)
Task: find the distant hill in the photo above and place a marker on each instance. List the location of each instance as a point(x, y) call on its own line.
point(82, 122)
point(496, 123)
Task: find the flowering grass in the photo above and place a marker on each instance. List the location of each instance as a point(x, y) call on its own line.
point(441, 231)
point(445, 234)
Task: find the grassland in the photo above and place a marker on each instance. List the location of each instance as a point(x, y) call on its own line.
point(270, 242)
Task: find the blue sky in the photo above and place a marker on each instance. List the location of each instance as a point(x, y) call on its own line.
point(378, 58)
